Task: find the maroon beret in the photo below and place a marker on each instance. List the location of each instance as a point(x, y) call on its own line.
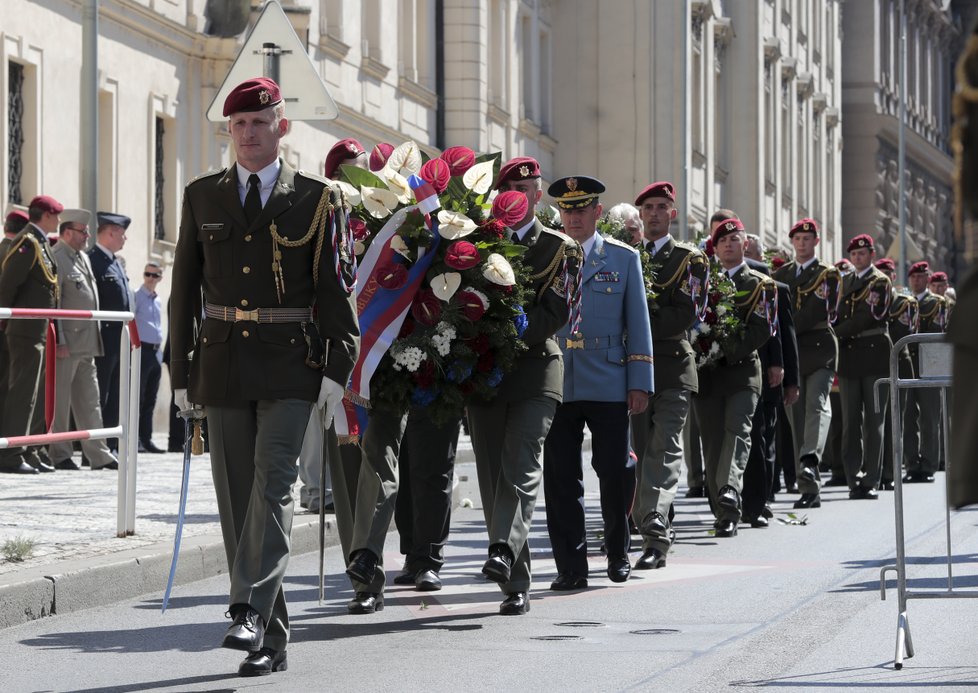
point(255, 94)
point(662, 188)
point(863, 240)
point(806, 224)
point(46, 203)
point(343, 150)
point(17, 214)
point(921, 267)
point(725, 228)
point(939, 277)
point(520, 168)
point(380, 154)
point(843, 264)
point(886, 264)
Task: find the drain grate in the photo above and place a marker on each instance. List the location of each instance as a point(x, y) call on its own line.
point(556, 637)
point(654, 631)
point(580, 624)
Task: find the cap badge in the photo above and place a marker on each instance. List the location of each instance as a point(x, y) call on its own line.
point(524, 171)
point(806, 226)
point(572, 184)
point(352, 147)
point(730, 226)
point(264, 97)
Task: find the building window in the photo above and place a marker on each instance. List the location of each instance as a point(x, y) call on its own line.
point(331, 19)
point(498, 55)
point(415, 42)
point(545, 121)
point(15, 131)
point(371, 30)
point(159, 178)
point(526, 58)
point(696, 107)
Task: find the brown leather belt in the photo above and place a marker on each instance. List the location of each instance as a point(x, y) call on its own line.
point(260, 315)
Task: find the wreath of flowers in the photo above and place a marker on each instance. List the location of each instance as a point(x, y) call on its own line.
point(613, 227)
point(463, 331)
point(719, 322)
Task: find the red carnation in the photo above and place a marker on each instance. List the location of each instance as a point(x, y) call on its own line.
point(426, 308)
point(437, 173)
point(358, 228)
point(711, 318)
point(777, 262)
point(510, 207)
point(462, 255)
point(459, 159)
point(473, 306)
point(493, 229)
point(392, 276)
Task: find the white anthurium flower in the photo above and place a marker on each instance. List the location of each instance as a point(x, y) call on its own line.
point(478, 178)
point(453, 225)
point(498, 270)
point(379, 202)
point(445, 285)
point(351, 194)
point(398, 185)
point(400, 247)
point(405, 157)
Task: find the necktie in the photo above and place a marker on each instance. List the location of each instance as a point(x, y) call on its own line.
point(252, 204)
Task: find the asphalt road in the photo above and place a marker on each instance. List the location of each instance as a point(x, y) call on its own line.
point(792, 607)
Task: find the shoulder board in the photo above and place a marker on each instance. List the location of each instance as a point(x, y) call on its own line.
point(313, 176)
point(760, 276)
point(21, 239)
point(208, 174)
point(790, 265)
point(619, 244)
point(558, 235)
point(688, 247)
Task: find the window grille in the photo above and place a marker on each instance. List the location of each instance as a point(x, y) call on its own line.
point(159, 228)
point(15, 130)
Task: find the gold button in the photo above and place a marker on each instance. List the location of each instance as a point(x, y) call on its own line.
point(246, 269)
point(244, 302)
point(608, 290)
point(245, 333)
point(205, 340)
point(292, 341)
point(248, 238)
point(212, 237)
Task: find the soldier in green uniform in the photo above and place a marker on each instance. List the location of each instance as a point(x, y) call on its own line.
point(28, 279)
point(815, 289)
point(508, 432)
point(922, 418)
point(864, 351)
point(680, 279)
point(13, 224)
point(901, 322)
point(255, 255)
point(729, 389)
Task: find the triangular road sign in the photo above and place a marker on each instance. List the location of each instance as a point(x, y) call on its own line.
point(273, 44)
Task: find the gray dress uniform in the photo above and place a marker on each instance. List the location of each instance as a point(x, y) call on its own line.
point(76, 380)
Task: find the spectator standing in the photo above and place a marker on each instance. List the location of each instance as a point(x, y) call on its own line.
point(149, 324)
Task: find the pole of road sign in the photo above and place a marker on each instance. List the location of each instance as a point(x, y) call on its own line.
point(270, 53)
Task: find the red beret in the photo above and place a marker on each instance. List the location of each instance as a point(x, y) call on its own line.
point(725, 228)
point(380, 154)
point(255, 94)
point(46, 203)
point(805, 224)
point(17, 214)
point(921, 267)
point(843, 263)
point(662, 188)
point(886, 264)
point(343, 150)
point(861, 241)
point(520, 168)
point(939, 277)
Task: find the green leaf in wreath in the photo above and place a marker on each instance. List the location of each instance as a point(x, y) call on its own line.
point(356, 176)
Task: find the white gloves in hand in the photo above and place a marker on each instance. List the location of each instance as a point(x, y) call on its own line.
point(330, 395)
point(180, 399)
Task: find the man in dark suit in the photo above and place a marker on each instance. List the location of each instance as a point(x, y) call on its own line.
point(113, 294)
point(279, 337)
point(508, 432)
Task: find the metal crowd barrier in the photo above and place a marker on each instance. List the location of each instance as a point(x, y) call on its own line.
point(129, 362)
point(935, 372)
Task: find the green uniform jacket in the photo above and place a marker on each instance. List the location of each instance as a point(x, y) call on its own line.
point(219, 253)
point(932, 318)
point(813, 292)
point(902, 321)
point(680, 270)
point(864, 341)
point(740, 367)
point(540, 369)
point(28, 279)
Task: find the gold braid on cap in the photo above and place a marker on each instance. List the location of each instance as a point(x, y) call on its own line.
point(317, 227)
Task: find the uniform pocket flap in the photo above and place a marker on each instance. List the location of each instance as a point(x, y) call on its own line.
point(213, 233)
point(283, 335)
point(215, 331)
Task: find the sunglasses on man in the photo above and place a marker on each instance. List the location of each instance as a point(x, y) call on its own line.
point(154, 275)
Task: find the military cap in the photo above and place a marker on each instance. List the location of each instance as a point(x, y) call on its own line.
point(922, 267)
point(806, 224)
point(107, 218)
point(254, 94)
point(886, 264)
point(16, 215)
point(379, 155)
point(343, 150)
point(939, 277)
point(520, 168)
point(662, 188)
point(843, 264)
point(46, 203)
point(77, 216)
point(863, 240)
point(725, 228)
point(575, 192)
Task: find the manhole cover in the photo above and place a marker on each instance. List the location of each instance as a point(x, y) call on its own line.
point(655, 631)
point(580, 624)
point(556, 637)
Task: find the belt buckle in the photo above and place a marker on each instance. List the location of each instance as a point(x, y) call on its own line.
point(245, 315)
point(574, 343)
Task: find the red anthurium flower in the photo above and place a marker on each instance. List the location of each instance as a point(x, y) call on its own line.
point(358, 228)
point(462, 255)
point(438, 173)
point(510, 207)
point(459, 159)
point(426, 308)
point(473, 305)
point(392, 276)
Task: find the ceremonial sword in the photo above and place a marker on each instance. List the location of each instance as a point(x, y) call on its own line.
point(191, 445)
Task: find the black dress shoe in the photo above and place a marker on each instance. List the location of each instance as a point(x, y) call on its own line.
point(808, 500)
point(886, 486)
point(148, 446)
point(515, 604)
point(836, 481)
point(791, 488)
point(808, 474)
point(114, 464)
point(263, 662)
point(567, 582)
point(363, 566)
point(427, 581)
point(67, 465)
point(406, 577)
point(34, 460)
point(767, 512)
point(247, 632)
point(20, 467)
point(651, 559)
point(863, 493)
point(86, 463)
point(759, 522)
point(499, 565)
point(366, 603)
point(619, 569)
point(695, 492)
point(725, 528)
point(918, 478)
